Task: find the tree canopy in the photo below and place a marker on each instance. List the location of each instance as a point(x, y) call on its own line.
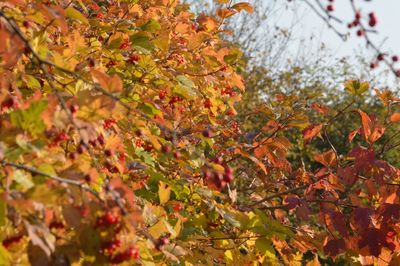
point(127, 137)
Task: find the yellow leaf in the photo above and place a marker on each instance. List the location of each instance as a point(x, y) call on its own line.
point(164, 192)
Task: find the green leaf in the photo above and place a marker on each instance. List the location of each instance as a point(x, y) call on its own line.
point(141, 42)
point(32, 82)
point(150, 109)
point(75, 14)
point(264, 245)
point(29, 119)
point(151, 26)
point(185, 88)
point(23, 179)
point(47, 169)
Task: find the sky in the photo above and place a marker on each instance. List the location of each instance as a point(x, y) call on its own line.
point(388, 14)
point(387, 36)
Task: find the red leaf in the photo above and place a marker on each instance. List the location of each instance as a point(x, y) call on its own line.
point(389, 211)
point(336, 220)
point(371, 128)
point(372, 241)
point(353, 133)
point(310, 132)
point(364, 158)
point(362, 218)
point(347, 175)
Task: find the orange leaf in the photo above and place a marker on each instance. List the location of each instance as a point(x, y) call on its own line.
point(254, 159)
point(395, 117)
point(327, 158)
point(310, 132)
point(243, 6)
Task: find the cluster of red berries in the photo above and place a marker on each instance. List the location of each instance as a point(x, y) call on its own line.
point(59, 138)
point(133, 58)
point(228, 91)
point(124, 45)
point(109, 123)
point(372, 21)
point(128, 254)
point(217, 179)
point(107, 219)
point(381, 57)
point(111, 63)
point(175, 99)
point(162, 94)
point(207, 103)
point(109, 247)
point(12, 240)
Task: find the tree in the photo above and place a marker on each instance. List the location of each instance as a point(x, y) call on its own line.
point(118, 145)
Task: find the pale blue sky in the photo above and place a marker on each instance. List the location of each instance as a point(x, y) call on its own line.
point(387, 11)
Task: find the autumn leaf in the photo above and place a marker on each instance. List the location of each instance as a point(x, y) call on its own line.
point(395, 117)
point(243, 6)
point(311, 131)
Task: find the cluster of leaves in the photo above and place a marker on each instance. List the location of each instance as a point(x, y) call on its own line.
point(119, 145)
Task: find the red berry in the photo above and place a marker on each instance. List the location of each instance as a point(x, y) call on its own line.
point(73, 108)
point(207, 103)
point(101, 140)
point(373, 65)
point(360, 32)
point(398, 73)
point(380, 57)
point(81, 149)
point(228, 177)
point(358, 16)
point(162, 241)
point(100, 15)
point(134, 58)
point(162, 94)
point(218, 160)
point(372, 19)
point(109, 218)
point(26, 24)
point(207, 133)
point(124, 45)
point(395, 58)
point(330, 8)
point(73, 156)
point(177, 155)
point(166, 149)
point(228, 170)
point(108, 153)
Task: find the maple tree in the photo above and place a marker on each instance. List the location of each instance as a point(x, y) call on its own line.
point(120, 144)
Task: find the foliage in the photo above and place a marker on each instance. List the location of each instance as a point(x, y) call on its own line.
point(119, 145)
